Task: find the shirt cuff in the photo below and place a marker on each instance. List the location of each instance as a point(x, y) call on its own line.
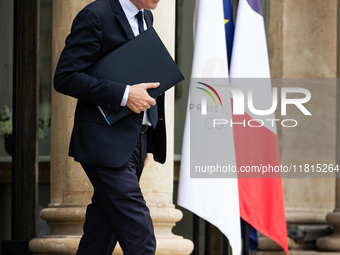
point(125, 96)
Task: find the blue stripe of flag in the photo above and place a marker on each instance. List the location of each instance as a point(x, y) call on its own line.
point(229, 27)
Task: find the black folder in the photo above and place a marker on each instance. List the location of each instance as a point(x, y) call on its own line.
point(142, 59)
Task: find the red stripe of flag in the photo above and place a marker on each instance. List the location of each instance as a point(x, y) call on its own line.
point(261, 199)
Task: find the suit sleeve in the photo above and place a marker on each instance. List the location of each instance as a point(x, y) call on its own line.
point(82, 49)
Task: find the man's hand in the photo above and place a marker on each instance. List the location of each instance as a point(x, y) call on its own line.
point(139, 99)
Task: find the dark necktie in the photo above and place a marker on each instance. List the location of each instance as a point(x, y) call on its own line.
point(152, 112)
point(139, 17)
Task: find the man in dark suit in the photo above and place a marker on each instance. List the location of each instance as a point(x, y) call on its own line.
point(112, 156)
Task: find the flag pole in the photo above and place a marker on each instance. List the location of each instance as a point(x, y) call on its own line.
point(245, 247)
point(207, 246)
point(196, 234)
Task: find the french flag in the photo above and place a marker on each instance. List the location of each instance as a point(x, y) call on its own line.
point(261, 199)
point(222, 201)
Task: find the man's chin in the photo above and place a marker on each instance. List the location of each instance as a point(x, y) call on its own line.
point(152, 7)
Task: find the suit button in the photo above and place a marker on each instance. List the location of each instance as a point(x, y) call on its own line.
point(139, 120)
point(109, 105)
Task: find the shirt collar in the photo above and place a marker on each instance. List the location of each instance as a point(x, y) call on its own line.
point(129, 8)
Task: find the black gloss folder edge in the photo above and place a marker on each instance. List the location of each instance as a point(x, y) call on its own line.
point(141, 59)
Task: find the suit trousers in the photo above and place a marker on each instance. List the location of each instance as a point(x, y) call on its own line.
point(118, 210)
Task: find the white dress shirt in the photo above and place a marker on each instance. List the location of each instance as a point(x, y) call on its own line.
point(131, 11)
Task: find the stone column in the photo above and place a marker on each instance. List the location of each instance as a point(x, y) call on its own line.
point(332, 242)
point(71, 190)
point(302, 45)
point(157, 179)
point(308, 51)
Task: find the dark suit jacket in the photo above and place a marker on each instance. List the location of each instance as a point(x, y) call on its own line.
point(97, 30)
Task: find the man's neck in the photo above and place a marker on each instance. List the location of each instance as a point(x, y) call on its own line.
point(135, 3)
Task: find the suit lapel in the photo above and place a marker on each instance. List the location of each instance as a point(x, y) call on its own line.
point(117, 8)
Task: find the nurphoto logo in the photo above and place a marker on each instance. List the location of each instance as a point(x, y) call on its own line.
point(239, 104)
